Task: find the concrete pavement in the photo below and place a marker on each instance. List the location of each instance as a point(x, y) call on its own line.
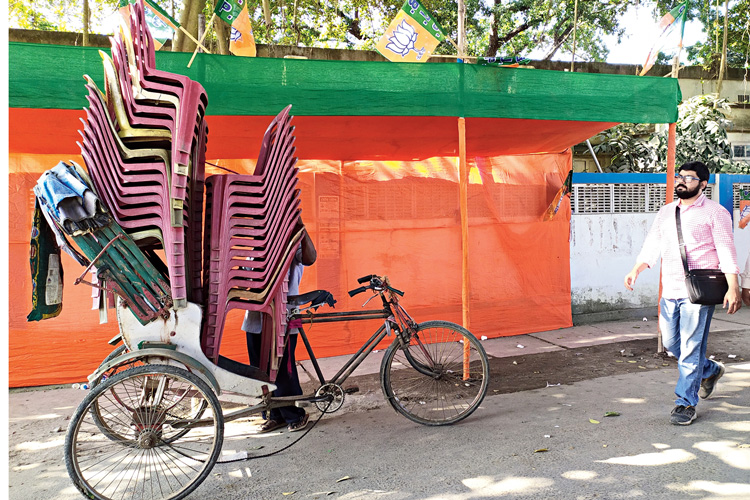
point(543, 443)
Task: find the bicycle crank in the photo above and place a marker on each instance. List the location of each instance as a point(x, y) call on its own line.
point(334, 398)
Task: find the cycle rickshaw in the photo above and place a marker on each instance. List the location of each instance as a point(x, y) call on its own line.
point(152, 425)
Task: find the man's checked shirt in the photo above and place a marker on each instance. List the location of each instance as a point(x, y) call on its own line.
point(709, 243)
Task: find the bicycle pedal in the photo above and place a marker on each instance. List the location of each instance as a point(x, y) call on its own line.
point(351, 390)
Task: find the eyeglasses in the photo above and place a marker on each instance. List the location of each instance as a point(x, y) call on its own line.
point(686, 178)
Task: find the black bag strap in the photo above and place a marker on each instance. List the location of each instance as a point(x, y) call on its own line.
point(683, 254)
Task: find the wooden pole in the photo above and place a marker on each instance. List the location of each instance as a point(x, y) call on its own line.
point(86, 22)
point(723, 65)
point(463, 184)
point(461, 29)
point(575, 26)
point(671, 156)
point(200, 43)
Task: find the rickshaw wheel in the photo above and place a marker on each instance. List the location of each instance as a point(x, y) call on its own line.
point(153, 454)
point(96, 414)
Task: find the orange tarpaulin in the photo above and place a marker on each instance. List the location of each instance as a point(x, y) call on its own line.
point(395, 218)
point(337, 137)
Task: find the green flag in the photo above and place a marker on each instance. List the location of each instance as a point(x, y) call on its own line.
point(674, 19)
point(160, 24)
point(229, 10)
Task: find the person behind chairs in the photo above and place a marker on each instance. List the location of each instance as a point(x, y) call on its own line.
point(709, 243)
point(287, 379)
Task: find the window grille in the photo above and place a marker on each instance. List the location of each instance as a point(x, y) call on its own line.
point(621, 198)
point(629, 198)
point(657, 194)
point(592, 198)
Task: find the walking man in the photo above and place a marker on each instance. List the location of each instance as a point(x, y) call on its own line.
point(707, 232)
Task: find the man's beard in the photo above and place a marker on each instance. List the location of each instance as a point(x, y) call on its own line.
point(687, 193)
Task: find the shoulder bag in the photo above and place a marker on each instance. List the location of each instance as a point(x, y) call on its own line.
point(705, 286)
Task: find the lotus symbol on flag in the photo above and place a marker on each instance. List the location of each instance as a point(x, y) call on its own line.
point(402, 40)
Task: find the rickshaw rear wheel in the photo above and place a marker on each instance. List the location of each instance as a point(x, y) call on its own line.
point(156, 454)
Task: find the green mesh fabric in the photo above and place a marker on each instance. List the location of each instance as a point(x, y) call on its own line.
point(50, 76)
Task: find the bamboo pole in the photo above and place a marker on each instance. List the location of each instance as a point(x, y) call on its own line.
point(671, 156)
point(86, 22)
point(575, 26)
point(200, 43)
point(723, 65)
point(463, 173)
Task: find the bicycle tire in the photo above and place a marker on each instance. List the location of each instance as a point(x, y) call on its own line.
point(118, 351)
point(152, 463)
point(425, 380)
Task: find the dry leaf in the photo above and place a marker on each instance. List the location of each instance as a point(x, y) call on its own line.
point(541, 450)
point(287, 493)
point(612, 414)
point(632, 361)
point(593, 421)
point(343, 479)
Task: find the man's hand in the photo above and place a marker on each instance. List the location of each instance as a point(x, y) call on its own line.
point(633, 275)
point(733, 298)
point(746, 296)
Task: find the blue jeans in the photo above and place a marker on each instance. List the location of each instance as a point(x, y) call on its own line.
point(684, 331)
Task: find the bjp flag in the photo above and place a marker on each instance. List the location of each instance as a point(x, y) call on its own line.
point(412, 35)
point(234, 13)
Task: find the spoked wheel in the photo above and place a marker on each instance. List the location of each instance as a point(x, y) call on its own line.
point(119, 350)
point(152, 454)
point(440, 378)
point(102, 423)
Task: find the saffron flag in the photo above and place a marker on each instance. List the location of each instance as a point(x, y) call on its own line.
point(674, 19)
point(412, 35)
point(161, 24)
point(234, 13)
point(566, 188)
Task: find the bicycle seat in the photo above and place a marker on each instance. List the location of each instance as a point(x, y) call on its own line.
point(316, 298)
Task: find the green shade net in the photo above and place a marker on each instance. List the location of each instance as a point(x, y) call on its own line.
point(50, 77)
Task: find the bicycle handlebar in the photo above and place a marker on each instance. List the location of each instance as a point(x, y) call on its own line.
point(354, 292)
point(375, 283)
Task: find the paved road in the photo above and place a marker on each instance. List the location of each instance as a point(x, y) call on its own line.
point(497, 452)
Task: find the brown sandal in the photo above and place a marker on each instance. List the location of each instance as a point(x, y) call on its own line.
point(270, 426)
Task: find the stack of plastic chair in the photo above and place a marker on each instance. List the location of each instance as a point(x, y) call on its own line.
point(144, 144)
point(73, 207)
point(252, 233)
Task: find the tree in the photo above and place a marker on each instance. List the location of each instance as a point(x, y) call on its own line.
point(711, 14)
point(701, 135)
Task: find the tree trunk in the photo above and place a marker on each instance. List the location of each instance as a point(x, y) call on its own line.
point(558, 43)
point(86, 21)
point(494, 42)
point(222, 34)
point(189, 21)
point(723, 66)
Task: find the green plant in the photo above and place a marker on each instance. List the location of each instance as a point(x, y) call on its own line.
point(701, 135)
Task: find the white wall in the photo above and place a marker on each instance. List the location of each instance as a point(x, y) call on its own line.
point(603, 248)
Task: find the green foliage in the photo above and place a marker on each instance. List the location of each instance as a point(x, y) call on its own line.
point(701, 135)
point(54, 15)
point(711, 14)
point(631, 148)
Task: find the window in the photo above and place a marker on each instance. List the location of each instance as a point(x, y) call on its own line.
point(741, 151)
